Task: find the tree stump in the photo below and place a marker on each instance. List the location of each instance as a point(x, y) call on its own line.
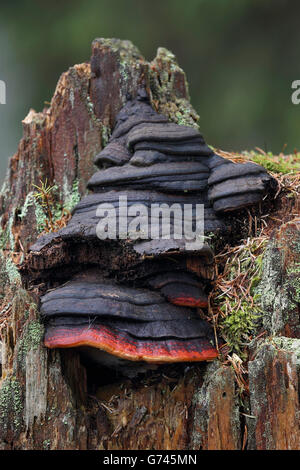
point(49, 399)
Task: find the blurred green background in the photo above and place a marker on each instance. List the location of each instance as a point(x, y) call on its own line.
point(240, 57)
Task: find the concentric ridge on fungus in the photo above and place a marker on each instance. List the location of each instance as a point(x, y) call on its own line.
point(144, 307)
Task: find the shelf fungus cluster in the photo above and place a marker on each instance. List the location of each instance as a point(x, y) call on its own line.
point(138, 299)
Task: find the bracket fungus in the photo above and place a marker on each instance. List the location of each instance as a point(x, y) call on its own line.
point(137, 298)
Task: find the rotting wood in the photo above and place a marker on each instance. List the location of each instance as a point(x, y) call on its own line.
point(49, 399)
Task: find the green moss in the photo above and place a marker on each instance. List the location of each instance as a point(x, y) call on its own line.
point(69, 197)
point(11, 403)
point(276, 164)
point(240, 324)
point(241, 314)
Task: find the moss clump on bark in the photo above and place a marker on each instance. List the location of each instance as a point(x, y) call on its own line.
point(237, 295)
point(277, 164)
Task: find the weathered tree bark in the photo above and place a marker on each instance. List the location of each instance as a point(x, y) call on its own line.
point(48, 399)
